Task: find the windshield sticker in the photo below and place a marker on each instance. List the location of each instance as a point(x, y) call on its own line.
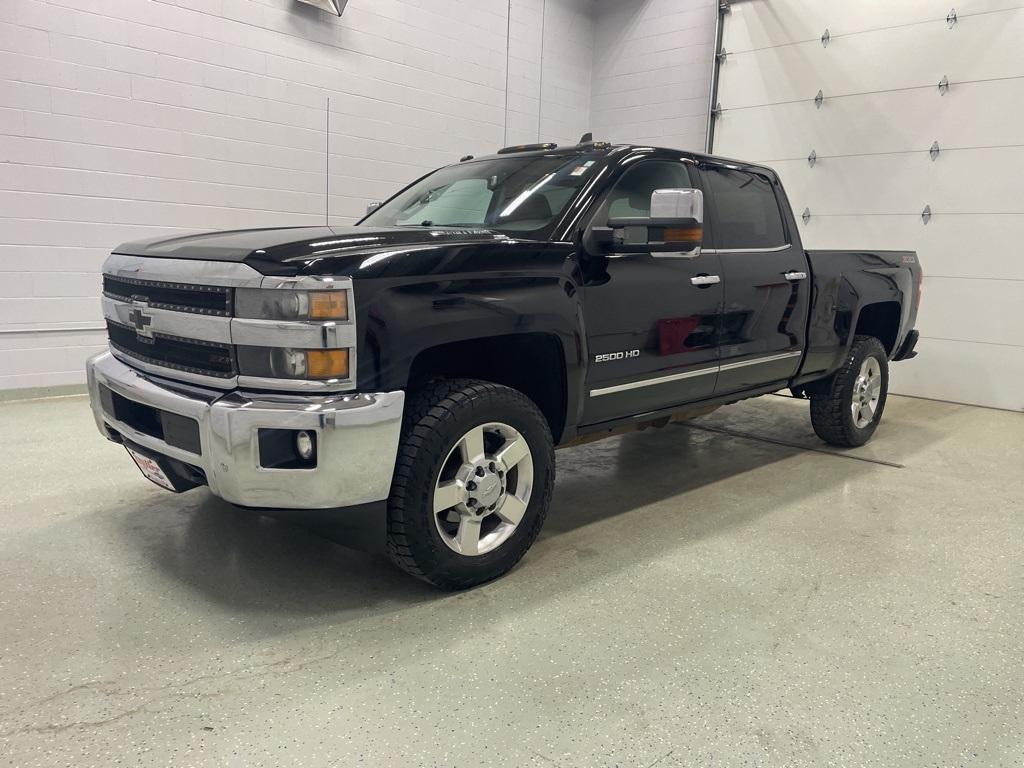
point(579, 170)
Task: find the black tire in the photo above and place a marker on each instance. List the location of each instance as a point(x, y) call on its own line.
point(436, 418)
point(831, 401)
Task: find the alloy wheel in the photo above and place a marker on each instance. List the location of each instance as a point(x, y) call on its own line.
point(867, 388)
point(483, 489)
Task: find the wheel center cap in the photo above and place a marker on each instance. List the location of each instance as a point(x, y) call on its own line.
point(488, 489)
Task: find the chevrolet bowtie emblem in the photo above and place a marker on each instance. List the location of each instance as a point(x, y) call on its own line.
point(138, 318)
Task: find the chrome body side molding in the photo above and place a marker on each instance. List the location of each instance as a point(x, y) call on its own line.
point(691, 374)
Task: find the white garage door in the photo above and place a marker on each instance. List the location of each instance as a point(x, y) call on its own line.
point(882, 109)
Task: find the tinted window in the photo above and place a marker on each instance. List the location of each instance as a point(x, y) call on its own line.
point(748, 214)
point(631, 195)
point(521, 195)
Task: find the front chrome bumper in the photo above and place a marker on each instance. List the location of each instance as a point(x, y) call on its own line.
point(357, 438)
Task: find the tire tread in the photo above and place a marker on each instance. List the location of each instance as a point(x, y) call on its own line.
point(427, 411)
point(830, 414)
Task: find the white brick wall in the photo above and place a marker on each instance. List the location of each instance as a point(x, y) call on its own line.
point(122, 119)
point(551, 57)
point(652, 71)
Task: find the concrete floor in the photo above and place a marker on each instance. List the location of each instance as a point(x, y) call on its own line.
point(697, 597)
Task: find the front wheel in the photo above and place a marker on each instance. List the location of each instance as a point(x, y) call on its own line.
point(845, 411)
point(472, 484)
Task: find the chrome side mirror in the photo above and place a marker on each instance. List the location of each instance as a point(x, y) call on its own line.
point(373, 207)
point(675, 227)
point(677, 207)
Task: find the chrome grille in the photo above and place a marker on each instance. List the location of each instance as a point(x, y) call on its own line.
point(176, 318)
point(180, 297)
point(205, 358)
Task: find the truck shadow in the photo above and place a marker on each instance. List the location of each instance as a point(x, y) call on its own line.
point(677, 483)
point(713, 479)
point(256, 565)
point(665, 476)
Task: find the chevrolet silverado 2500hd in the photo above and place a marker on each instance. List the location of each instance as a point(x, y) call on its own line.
point(410, 376)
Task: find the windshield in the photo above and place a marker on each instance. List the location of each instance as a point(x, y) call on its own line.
point(521, 196)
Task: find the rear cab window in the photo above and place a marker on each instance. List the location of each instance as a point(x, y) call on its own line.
point(747, 210)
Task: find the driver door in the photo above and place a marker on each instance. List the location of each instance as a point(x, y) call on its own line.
point(652, 319)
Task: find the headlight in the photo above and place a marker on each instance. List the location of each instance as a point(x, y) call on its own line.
point(277, 363)
point(284, 304)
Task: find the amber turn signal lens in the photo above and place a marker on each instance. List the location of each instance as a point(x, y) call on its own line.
point(684, 235)
point(328, 305)
point(327, 363)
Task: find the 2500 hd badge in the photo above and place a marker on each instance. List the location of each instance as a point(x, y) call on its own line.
point(409, 378)
point(616, 355)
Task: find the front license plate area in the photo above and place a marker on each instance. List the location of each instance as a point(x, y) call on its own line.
point(151, 469)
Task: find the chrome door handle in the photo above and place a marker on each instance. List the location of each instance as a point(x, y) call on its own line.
point(793, 275)
point(705, 280)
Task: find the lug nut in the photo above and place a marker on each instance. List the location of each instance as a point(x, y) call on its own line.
point(480, 472)
point(470, 486)
point(491, 466)
point(471, 503)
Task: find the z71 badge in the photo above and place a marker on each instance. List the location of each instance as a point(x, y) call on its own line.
point(616, 355)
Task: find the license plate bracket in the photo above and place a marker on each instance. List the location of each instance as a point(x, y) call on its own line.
point(157, 469)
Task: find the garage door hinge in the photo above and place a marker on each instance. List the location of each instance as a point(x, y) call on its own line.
point(723, 6)
point(818, 99)
point(812, 158)
point(926, 214)
point(825, 38)
point(933, 152)
point(722, 55)
point(943, 85)
point(806, 215)
point(951, 18)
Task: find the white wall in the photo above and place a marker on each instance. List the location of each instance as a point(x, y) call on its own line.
point(122, 119)
point(652, 71)
point(550, 58)
point(873, 175)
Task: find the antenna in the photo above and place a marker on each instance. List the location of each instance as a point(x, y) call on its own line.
point(540, 79)
point(508, 41)
point(327, 168)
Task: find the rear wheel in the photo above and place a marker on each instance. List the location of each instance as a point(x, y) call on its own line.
point(472, 485)
point(846, 408)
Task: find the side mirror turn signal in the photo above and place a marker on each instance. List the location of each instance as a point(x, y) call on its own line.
point(676, 225)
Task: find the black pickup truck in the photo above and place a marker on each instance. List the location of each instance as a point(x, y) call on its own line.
point(409, 377)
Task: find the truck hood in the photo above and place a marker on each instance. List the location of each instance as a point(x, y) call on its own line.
point(309, 250)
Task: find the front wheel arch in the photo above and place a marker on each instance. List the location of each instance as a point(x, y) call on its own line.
point(531, 363)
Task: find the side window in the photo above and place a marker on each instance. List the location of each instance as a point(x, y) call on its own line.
point(631, 195)
point(748, 213)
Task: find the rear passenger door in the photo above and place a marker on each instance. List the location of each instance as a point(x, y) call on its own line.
point(765, 279)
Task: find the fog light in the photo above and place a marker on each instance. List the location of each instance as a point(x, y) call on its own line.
point(287, 448)
point(304, 445)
